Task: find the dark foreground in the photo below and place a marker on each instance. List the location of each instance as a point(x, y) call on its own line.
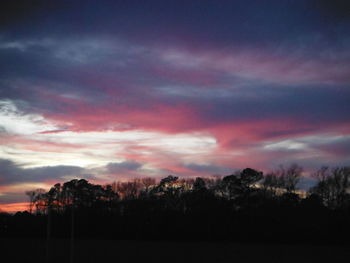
point(33, 250)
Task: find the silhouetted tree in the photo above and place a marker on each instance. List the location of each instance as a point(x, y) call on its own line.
point(128, 190)
point(230, 186)
point(289, 178)
point(199, 184)
point(40, 201)
point(167, 187)
point(147, 185)
point(31, 196)
point(211, 208)
point(250, 177)
point(333, 186)
point(238, 184)
point(271, 183)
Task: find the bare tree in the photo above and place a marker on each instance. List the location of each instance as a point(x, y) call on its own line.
point(332, 186)
point(289, 178)
point(128, 190)
point(147, 184)
point(31, 196)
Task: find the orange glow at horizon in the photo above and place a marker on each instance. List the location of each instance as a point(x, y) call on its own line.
point(14, 207)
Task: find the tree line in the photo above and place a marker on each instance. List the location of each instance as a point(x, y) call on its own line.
point(244, 206)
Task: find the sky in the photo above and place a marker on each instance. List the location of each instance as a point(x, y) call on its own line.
point(115, 90)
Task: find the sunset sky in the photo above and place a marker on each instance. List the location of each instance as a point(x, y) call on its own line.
point(110, 90)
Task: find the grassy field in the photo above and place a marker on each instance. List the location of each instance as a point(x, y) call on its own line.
point(34, 250)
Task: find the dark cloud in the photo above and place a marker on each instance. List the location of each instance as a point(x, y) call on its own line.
point(123, 167)
point(9, 197)
point(339, 147)
point(314, 106)
point(225, 22)
point(209, 169)
point(11, 172)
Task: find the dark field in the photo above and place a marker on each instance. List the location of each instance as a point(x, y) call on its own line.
point(33, 250)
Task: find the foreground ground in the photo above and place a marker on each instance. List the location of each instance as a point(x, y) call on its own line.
point(33, 250)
